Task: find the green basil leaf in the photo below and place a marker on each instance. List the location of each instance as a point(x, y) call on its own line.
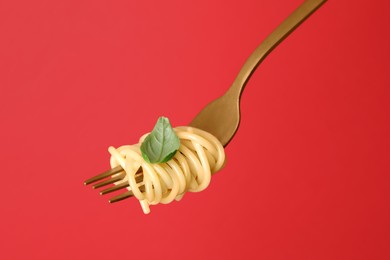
point(161, 144)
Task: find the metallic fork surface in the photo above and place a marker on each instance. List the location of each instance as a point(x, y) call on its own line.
point(221, 117)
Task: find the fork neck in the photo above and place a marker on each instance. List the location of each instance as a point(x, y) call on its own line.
point(251, 64)
point(270, 43)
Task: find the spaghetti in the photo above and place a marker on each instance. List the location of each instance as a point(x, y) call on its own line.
point(200, 154)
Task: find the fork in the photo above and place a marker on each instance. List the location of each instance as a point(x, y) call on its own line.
point(221, 117)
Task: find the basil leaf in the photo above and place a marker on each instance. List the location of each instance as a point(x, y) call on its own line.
point(161, 144)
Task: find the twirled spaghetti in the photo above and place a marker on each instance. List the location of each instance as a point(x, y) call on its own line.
point(200, 154)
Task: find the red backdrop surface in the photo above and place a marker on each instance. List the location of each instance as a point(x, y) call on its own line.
point(308, 171)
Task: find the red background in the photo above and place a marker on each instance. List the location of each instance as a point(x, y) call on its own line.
point(308, 171)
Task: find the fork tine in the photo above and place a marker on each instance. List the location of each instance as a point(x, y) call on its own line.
point(109, 181)
point(104, 175)
point(125, 195)
point(115, 188)
point(122, 196)
point(138, 178)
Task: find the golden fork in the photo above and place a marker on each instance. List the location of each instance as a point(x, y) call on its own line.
point(221, 117)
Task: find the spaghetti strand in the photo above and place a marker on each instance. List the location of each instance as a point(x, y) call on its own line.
point(200, 154)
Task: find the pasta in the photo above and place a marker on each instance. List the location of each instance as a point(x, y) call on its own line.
point(200, 154)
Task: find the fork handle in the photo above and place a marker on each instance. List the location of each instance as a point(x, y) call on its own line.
point(273, 40)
